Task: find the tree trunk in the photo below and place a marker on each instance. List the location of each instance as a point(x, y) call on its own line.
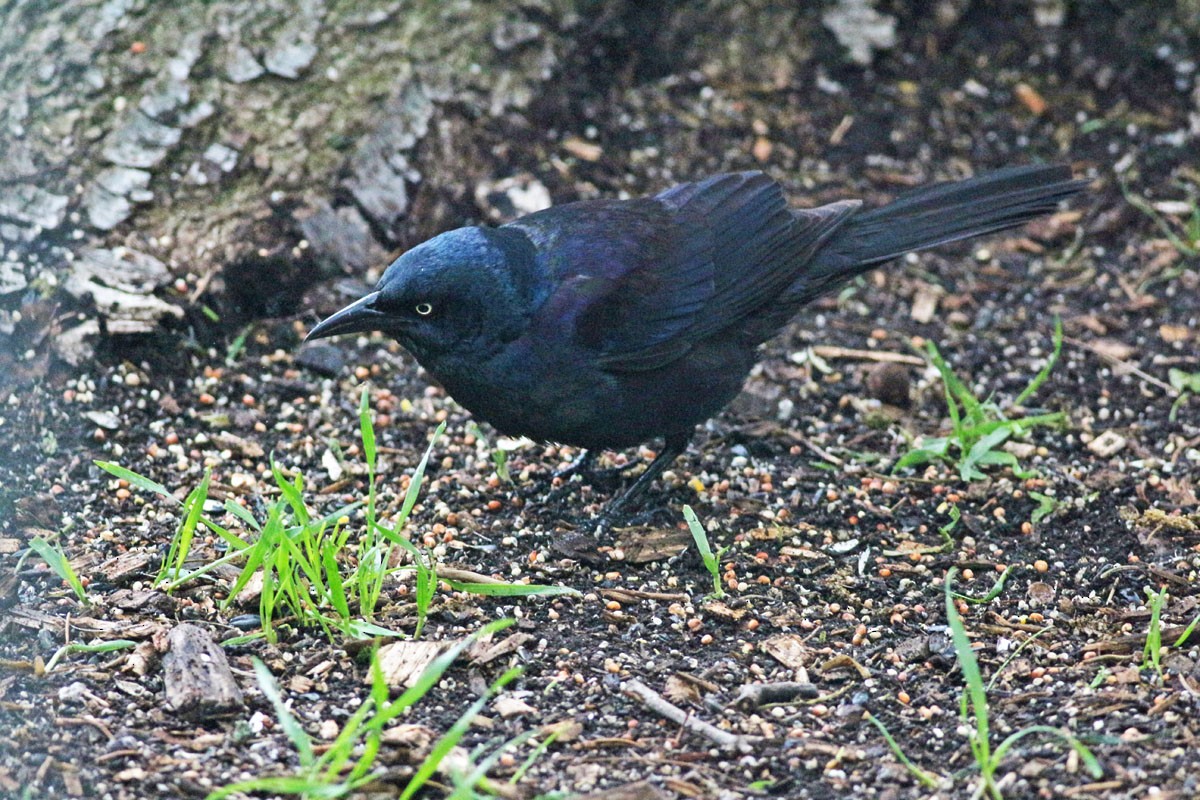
point(159, 158)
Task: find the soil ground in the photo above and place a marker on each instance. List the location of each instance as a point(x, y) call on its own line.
point(833, 571)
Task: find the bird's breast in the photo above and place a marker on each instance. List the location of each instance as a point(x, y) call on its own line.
point(523, 391)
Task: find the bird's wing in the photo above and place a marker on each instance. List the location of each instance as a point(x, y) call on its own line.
point(759, 246)
point(642, 281)
point(626, 279)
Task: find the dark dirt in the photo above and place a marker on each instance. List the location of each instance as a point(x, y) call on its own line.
point(825, 555)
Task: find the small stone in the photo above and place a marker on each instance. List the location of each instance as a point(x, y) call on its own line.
point(889, 383)
point(323, 359)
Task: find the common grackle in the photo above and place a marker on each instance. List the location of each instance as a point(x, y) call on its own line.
point(606, 323)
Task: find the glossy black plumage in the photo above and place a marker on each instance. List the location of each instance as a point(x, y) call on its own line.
point(607, 323)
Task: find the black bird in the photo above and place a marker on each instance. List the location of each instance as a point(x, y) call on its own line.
point(607, 323)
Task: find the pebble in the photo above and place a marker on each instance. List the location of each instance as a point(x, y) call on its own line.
point(323, 359)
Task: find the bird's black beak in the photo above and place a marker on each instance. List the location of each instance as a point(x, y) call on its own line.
point(357, 317)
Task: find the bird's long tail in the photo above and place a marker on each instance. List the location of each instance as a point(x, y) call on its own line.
point(937, 214)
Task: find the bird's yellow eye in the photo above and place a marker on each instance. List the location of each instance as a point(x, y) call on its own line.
point(424, 309)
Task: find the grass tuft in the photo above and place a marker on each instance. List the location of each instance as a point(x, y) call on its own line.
point(973, 707)
point(974, 704)
point(346, 765)
point(313, 570)
point(979, 428)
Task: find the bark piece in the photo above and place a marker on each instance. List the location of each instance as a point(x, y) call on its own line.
point(127, 566)
point(641, 546)
point(121, 283)
point(196, 675)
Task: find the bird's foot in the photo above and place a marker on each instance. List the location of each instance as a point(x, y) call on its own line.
point(612, 519)
point(585, 468)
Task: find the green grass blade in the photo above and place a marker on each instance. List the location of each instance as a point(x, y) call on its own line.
point(243, 514)
point(926, 780)
point(1011, 656)
point(287, 722)
point(956, 390)
point(451, 738)
point(181, 543)
point(975, 693)
point(303, 786)
point(292, 492)
point(1044, 373)
point(1187, 632)
point(57, 560)
point(367, 430)
point(135, 479)
point(79, 647)
point(466, 785)
point(1089, 760)
point(337, 590)
point(993, 593)
point(1152, 650)
point(711, 560)
point(414, 488)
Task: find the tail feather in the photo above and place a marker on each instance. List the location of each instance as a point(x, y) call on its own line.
point(923, 218)
point(949, 212)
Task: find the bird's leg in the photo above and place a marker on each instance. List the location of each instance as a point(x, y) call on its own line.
point(673, 447)
point(583, 465)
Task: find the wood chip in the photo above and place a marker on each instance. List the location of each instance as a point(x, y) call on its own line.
point(403, 662)
point(843, 661)
point(466, 576)
point(482, 652)
point(245, 448)
point(721, 609)
point(660, 706)
point(410, 737)
point(788, 649)
point(196, 675)
point(1173, 334)
point(677, 690)
point(508, 706)
point(753, 695)
point(925, 302)
point(1113, 348)
point(71, 783)
point(128, 566)
point(567, 730)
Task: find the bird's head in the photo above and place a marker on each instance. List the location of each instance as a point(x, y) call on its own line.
point(467, 290)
